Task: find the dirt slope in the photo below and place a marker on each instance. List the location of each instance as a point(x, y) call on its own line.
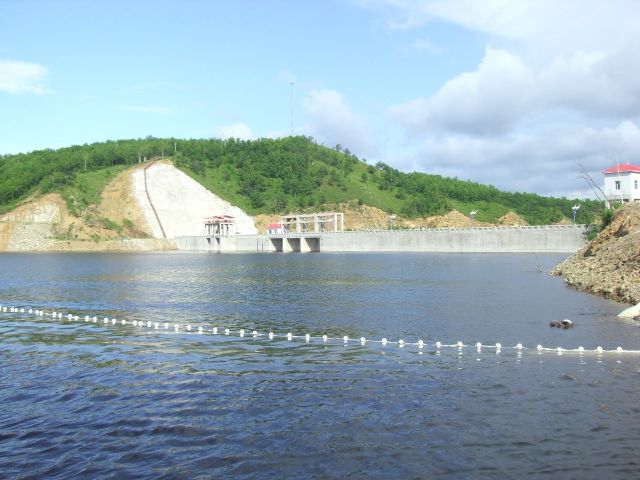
point(45, 224)
point(364, 217)
point(124, 219)
point(610, 264)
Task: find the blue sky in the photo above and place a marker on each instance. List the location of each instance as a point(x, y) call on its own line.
point(511, 93)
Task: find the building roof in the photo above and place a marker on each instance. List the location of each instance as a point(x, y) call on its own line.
point(275, 225)
point(622, 169)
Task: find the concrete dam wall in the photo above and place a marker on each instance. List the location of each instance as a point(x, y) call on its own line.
point(551, 238)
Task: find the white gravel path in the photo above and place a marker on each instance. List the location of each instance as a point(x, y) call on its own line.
point(181, 203)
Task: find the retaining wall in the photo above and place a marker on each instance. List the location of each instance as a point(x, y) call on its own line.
point(552, 238)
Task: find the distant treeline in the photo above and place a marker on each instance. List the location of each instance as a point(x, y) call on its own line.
point(280, 175)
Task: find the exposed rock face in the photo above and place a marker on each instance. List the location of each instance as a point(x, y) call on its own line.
point(30, 226)
point(45, 224)
point(610, 264)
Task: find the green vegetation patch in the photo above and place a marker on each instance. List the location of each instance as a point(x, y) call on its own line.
point(272, 176)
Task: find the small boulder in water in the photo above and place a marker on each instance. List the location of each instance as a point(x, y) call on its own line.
point(566, 323)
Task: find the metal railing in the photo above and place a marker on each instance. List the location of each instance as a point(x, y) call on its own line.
point(429, 229)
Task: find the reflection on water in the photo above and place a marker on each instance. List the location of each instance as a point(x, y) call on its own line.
point(92, 401)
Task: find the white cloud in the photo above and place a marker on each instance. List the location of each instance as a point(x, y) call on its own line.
point(567, 25)
point(332, 122)
point(22, 77)
point(147, 109)
point(544, 162)
point(503, 93)
point(235, 130)
point(558, 86)
point(489, 100)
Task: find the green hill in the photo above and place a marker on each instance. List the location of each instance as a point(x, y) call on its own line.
point(271, 176)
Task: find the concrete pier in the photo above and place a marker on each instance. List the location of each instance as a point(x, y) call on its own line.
point(538, 239)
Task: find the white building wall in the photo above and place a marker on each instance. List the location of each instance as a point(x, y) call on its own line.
point(629, 186)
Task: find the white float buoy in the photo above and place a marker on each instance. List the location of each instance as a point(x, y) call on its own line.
point(559, 349)
point(460, 344)
point(619, 349)
point(345, 339)
point(401, 343)
point(215, 330)
point(289, 336)
point(166, 326)
point(324, 338)
point(478, 346)
point(156, 325)
point(307, 337)
point(498, 346)
point(270, 335)
point(227, 331)
point(123, 322)
point(519, 346)
point(59, 315)
point(254, 333)
point(113, 321)
point(438, 344)
point(241, 332)
point(599, 349)
point(420, 343)
point(200, 330)
point(384, 341)
point(176, 327)
point(363, 340)
point(149, 324)
point(106, 320)
point(581, 349)
point(188, 328)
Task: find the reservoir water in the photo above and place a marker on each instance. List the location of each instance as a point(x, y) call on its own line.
point(93, 400)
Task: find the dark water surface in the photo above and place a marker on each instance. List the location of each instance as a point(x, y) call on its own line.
point(84, 400)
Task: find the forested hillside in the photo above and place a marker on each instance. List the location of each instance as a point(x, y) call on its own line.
point(272, 176)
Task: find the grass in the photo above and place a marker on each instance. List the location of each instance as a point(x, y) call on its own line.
point(87, 187)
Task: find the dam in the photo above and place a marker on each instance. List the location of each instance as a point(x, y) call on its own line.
point(520, 239)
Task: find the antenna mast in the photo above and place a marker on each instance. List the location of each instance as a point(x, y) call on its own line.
point(291, 84)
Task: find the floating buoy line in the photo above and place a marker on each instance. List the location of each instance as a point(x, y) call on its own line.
point(168, 327)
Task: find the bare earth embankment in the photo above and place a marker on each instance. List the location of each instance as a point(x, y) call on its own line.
point(124, 219)
point(364, 217)
point(610, 264)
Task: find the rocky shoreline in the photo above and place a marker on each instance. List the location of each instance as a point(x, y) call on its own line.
point(609, 265)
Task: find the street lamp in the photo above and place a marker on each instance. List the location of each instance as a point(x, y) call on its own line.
point(574, 210)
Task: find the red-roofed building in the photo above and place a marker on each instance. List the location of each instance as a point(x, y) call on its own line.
point(275, 229)
point(622, 183)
